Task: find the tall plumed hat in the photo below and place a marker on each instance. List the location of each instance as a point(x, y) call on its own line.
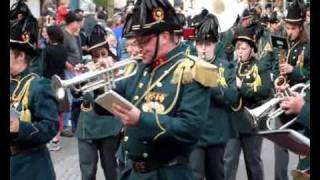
point(97, 39)
point(207, 28)
point(151, 17)
point(296, 12)
point(23, 32)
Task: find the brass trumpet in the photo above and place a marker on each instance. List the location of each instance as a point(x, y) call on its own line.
point(92, 80)
point(267, 110)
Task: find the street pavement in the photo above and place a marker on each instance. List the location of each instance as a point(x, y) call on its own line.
point(67, 167)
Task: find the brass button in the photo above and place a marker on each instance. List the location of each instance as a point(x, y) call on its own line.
point(145, 73)
point(159, 84)
point(140, 85)
point(294, 57)
point(126, 152)
point(125, 138)
point(145, 155)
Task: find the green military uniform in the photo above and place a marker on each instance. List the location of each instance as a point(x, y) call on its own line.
point(256, 88)
point(30, 158)
point(163, 140)
point(218, 127)
point(304, 119)
point(298, 55)
point(97, 131)
point(265, 52)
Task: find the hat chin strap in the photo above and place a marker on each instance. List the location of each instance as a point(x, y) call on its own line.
point(156, 48)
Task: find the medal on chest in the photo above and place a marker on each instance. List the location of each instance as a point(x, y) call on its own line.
point(154, 102)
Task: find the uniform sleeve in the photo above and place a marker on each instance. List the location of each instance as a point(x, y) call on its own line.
point(226, 94)
point(302, 73)
point(304, 117)
point(262, 92)
point(185, 125)
point(45, 116)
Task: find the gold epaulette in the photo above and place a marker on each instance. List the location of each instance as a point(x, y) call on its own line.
point(194, 68)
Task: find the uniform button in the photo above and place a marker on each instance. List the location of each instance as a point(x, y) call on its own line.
point(166, 72)
point(295, 50)
point(145, 73)
point(125, 138)
point(126, 152)
point(159, 84)
point(140, 85)
point(145, 142)
point(145, 155)
point(294, 57)
point(135, 97)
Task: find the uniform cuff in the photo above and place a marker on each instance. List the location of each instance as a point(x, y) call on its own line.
point(148, 123)
point(26, 130)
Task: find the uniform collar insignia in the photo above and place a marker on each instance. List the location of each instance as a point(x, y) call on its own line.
point(158, 62)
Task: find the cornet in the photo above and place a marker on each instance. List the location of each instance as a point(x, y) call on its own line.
point(92, 80)
point(267, 109)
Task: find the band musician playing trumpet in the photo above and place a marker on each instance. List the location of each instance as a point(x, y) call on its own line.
point(97, 133)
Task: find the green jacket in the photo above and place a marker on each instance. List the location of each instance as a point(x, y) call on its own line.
point(38, 129)
point(218, 126)
point(93, 124)
point(265, 52)
point(255, 90)
point(176, 127)
point(298, 56)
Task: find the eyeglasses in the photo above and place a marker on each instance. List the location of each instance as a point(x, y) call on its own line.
point(98, 54)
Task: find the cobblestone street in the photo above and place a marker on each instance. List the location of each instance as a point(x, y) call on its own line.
point(67, 165)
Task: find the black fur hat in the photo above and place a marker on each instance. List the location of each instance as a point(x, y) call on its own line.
point(23, 32)
point(151, 17)
point(247, 35)
point(296, 12)
point(207, 28)
point(20, 7)
point(97, 39)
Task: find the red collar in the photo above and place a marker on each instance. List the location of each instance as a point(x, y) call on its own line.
point(159, 61)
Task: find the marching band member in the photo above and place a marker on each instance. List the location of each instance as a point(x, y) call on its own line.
point(296, 69)
point(97, 133)
point(169, 94)
point(33, 97)
point(255, 86)
point(207, 159)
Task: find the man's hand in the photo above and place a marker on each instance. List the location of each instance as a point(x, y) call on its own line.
point(106, 62)
point(14, 125)
point(285, 69)
point(69, 67)
point(292, 104)
point(127, 117)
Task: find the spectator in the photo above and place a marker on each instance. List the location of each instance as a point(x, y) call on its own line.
point(55, 56)
point(43, 40)
point(62, 11)
point(48, 8)
point(71, 43)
